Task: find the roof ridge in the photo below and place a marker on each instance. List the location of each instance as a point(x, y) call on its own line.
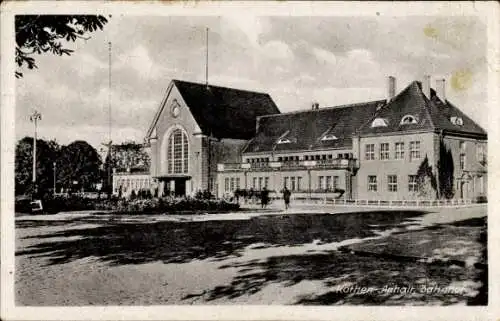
point(325, 108)
point(222, 87)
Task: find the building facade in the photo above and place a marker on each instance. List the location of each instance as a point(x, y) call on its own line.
point(196, 127)
point(369, 151)
point(221, 139)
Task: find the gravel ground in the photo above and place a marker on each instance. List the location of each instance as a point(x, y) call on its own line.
point(268, 257)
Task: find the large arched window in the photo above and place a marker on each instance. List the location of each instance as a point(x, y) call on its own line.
point(177, 152)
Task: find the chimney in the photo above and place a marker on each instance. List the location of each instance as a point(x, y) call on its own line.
point(391, 87)
point(257, 124)
point(426, 86)
point(315, 106)
point(441, 89)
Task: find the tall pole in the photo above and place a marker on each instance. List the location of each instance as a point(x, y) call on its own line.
point(54, 178)
point(109, 120)
point(34, 118)
point(206, 60)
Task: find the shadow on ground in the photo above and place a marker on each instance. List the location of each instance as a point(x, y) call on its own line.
point(344, 275)
point(179, 242)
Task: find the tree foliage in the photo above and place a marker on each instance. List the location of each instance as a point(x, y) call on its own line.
point(126, 156)
point(46, 153)
point(79, 162)
point(446, 169)
point(37, 34)
point(426, 180)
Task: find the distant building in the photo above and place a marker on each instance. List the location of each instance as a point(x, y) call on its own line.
point(130, 163)
point(222, 139)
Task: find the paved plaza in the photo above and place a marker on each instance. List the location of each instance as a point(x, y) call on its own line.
point(307, 255)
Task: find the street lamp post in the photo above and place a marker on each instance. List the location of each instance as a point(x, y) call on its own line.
point(54, 178)
point(34, 118)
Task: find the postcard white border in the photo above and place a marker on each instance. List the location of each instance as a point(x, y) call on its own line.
point(489, 11)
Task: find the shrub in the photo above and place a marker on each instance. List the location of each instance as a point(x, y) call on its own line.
point(170, 205)
point(481, 199)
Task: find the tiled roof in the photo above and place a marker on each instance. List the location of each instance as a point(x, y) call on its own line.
point(430, 114)
point(410, 101)
point(305, 129)
point(225, 112)
point(441, 112)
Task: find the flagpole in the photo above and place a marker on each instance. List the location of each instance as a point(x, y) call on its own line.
point(110, 188)
point(206, 59)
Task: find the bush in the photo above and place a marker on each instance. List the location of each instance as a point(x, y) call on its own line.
point(481, 199)
point(170, 205)
point(62, 203)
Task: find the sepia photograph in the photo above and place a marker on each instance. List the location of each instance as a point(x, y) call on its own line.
point(222, 159)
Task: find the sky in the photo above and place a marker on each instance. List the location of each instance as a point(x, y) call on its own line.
point(297, 60)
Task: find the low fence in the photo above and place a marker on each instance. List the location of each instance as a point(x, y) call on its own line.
point(387, 203)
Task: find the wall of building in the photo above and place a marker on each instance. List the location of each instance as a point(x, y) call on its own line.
point(184, 120)
point(309, 180)
point(129, 182)
point(402, 168)
point(473, 175)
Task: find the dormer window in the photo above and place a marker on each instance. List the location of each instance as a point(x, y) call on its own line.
point(380, 122)
point(284, 141)
point(328, 137)
point(458, 121)
point(408, 119)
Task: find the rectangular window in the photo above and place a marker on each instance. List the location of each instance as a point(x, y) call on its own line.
point(399, 149)
point(255, 183)
point(328, 182)
point(392, 181)
point(414, 150)
point(462, 146)
point(384, 151)
point(299, 179)
point(462, 161)
point(237, 183)
point(481, 184)
point(260, 182)
point(286, 182)
point(412, 183)
point(266, 182)
point(335, 182)
point(226, 184)
point(370, 151)
point(481, 155)
point(372, 183)
point(321, 182)
point(292, 183)
point(232, 184)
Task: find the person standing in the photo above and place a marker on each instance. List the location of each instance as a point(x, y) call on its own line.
point(264, 197)
point(286, 197)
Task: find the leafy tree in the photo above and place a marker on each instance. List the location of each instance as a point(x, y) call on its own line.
point(446, 169)
point(79, 162)
point(37, 34)
point(128, 155)
point(46, 153)
point(426, 180)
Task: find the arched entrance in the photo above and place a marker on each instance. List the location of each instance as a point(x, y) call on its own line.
point(175, 161)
